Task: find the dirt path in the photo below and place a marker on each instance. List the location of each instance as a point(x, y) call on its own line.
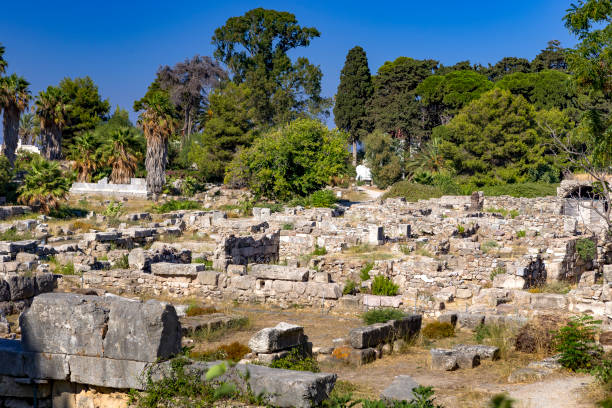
point(372, 192)
point(557, 392)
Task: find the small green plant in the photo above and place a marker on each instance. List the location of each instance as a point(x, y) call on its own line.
point(514, 214)
point(65, 269)
point(405, 249)
point(350, 287)
point(122, 263)
point(113, 209)
point(501, 401)
point(586, 249)
point(322, 198)
point(12, 235)
point(384, 286)
point(364, 273)
point(175, 205)
point(481, 332)
point(319, 251)
point(201, 260)
point(438, 330)
point(297, 361)
point(288, 227)
point(576, 343)
point(460, 229)
point(497, 271)
point(382, 315)
point(488, 246)
point(521, 234)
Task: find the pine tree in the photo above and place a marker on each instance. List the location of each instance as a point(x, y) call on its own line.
point(354, 93)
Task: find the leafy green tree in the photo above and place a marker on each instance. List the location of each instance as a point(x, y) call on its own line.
point(230, 127)
point(14, 99)
point(394, 108)
point(552, 57)
point(385, 157)
point(353, 96)
point(158, 123)
point(86, 107)
point(506, 66)
point(291, 161)
point(495, 137)
point(254, 47)
point(52, 111)
point(45, 186)
point(6, 175)
point(546, 89)
point(444, 95)
point(3, 63)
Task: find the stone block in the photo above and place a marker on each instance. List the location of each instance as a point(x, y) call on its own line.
point(371, 336)
point(324, 290)
point(359, 357)
point(63, 394)
point(467, 358)
point(236, 270)
point(106, 372)
point(176, 269)
point(44, 283)
point(470, 320)
point(154, 331)
point(11, 356)
point(268, 358)
point(448, 318)
point(281, 337)
point(442, 359)
point(5, 291)
point(376, 235)
point(507, 281)
point(15, 388)
point(408, 326)
point(279, 272)
point(210, 278)
point(21, 287)
point(548, 301)
point(243, 282)
point(400, 389)
point(46, 366)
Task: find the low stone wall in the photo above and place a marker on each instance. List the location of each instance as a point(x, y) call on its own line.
point(136, 188)
point(17, 291)
point(13, 210)
point(236, 250)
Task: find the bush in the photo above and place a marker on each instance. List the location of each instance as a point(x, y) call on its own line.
point(384, 286)
point(297, 361)
point(364, 273)
point(6, 175)
point(350, 287)
point(322, 198)
point(197, 310)
point(576, 343)
point(122, 263)
point(438, 330)
point(527, 190)
point(319, 251)
point(538, 336)
point(521, 234)
point(45, 186)
point(175, 205)
point(413, 191)
point(292, 160)
point(381, 315)
point(586, 249)
point(497, 271)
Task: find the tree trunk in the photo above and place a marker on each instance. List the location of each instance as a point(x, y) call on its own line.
point(354, 152)
point(155, 163)
point(10, 123)
point(53, 142)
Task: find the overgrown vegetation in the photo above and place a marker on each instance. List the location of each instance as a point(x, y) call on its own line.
point(296, 360)
point(575, 342)
point(350, 287)
point(196, 310)
point(586, 249)
point(384, 286)
point(12, 235)
point(438, 330)
point(364, 273)
point(234, 352)
point(381, 315)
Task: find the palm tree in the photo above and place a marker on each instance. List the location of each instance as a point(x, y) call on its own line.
point(29, 128)
point(14, 99)
point(85, 155)
point(157, 123)
point(51, 110)
point(45, 186)
point(3, 63)
point(429, 158)
point(120, 151)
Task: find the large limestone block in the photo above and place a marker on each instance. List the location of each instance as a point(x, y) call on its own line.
point(408, 326)
point(176, 269)
point(153, 331)
point(279, 272)
point(5, 291)
point(12, 387)
point(400, 389)
point(281, 337)
point(442, 359)
point(507, 281)
point(324, 290)
point(44, 283)
point(470, 320)
point(210, 278)
point(65, 323)
point(21, 287)
point(548, 301)
point(46, 366)
point(372, 335)
point(11, 358)
point(107, 372)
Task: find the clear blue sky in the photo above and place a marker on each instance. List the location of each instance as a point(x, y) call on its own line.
point(120, 44)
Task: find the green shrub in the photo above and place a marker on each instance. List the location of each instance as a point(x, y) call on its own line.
point(413, 191)
point(350, 287)
point(586, 249)
point(202, 260)
point(296, 361)
point(576, 343)
point(384, 286)
point(122, 263)
point(514, 214)
point(501, 401)
point(521, 234)
point(13, 235)
point(603, 370)
point(438, 330)
point(113, 209)
point(65, 269)
point(488, 245)
point(319, 251)
point(289, 161)
point(65, 212)
point(382, 315)
point(288, 227)
point(528, 190)
point(175, 205)
point(460, 229)
point(364, 273)
point(322, 198)
point(497, 271)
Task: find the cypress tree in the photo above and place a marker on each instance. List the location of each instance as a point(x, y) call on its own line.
point(354, 92)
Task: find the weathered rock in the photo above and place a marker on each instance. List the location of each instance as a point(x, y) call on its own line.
point(46, 366)
point(467, 358)
point(176, 269)
point(442, 359)
point(279, 272)
point(44, 283)
point(485, 352)
point(210, 278)
point(21, 287)
point(470, 320)
point(400, 389)
point(448, 318)
point(371, 336)
point(281, 337)
point(5, 291)
point(106, 372)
